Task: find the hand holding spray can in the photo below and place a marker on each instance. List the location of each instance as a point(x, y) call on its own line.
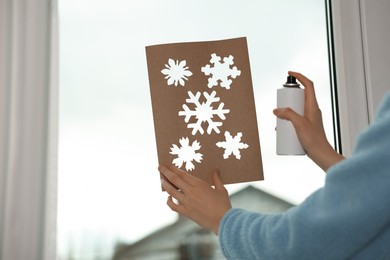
point(291, 95)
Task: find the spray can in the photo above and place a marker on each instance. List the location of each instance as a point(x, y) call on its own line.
point(291, 95)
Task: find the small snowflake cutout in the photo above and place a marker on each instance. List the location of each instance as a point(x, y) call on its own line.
point(203, 112)
point(221, 71)
point(176, 72)
point(232, 145)
point(186, 153)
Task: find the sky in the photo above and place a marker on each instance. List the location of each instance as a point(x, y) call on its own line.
point(109, 187)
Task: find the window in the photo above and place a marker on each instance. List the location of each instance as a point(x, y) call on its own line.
point(109, 189)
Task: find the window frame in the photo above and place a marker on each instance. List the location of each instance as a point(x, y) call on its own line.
point(357, 54)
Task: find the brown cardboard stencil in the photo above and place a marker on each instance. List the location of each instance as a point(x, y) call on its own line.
point(204, 110)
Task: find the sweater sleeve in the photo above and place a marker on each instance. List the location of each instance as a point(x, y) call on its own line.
point(335, 222)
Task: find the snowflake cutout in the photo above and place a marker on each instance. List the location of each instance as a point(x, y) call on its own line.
point(204, 112)
point(176, 72)
point(232, 145)
point(221, 71)
point(186, 153)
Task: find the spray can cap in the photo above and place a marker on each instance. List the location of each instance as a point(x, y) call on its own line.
point(291, 82)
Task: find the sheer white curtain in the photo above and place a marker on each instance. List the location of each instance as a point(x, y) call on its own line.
point(28, 129)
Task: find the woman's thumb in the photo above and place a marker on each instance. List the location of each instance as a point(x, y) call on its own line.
point(287, 114)
point(218, 184)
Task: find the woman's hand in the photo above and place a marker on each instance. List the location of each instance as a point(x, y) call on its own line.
point(195, 198)
point(309, 127)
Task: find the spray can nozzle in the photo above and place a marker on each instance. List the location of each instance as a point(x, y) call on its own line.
point(291, 82)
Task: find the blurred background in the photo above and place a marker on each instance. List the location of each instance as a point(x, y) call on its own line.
point(109, 187)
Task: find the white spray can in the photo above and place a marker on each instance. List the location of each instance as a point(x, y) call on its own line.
point(291, 95)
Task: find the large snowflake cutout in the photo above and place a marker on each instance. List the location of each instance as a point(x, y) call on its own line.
point(221, 72)
point(176, 72)
point(232, 145)
point(186, 153)
point(203, 112)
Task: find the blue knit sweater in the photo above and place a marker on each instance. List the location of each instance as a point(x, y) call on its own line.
point(349, 218)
